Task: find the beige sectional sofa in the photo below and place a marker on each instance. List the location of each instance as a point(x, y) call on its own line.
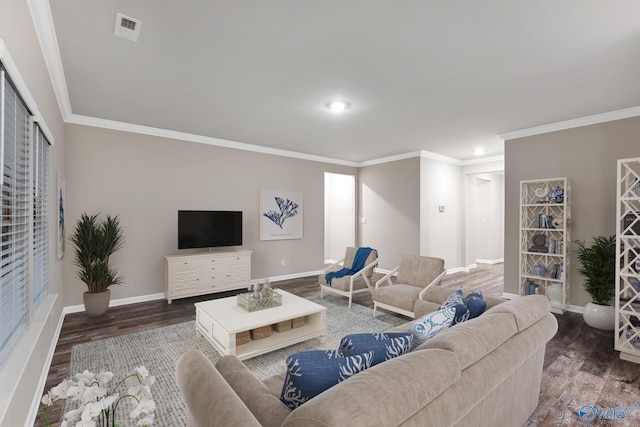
point(482, 372)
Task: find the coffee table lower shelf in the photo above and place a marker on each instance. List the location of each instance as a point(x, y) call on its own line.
point(221, 332)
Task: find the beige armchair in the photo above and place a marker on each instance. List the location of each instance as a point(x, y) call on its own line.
point(415, 275)
point(351, 284)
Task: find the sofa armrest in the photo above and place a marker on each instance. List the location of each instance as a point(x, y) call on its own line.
point(210, 401)
point(262, 403)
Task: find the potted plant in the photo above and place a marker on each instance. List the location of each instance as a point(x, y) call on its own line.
point(95, 240)
point(598, 265)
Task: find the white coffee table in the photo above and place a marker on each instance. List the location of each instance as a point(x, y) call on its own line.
point(219, 321)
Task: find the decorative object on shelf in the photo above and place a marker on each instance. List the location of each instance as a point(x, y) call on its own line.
point(635, 283)
point(598, 266)
point(542, 192)
point(539, 243)
point(557, 223)
point(556, 195)
point(554, 292)
point(636, 188)
point(95, 241)
point(250, 303)
point(98, 399)
point(635, 341)
point(539, 270)
point(266, 291)
point(630, 226)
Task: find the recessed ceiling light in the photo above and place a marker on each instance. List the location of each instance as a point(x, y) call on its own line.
point(479, 151)
point(337, 106)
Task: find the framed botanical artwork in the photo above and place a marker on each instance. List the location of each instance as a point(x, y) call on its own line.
point(280, 214)
point(61, 203)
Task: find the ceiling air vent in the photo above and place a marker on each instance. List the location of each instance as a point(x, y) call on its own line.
point(127, 27)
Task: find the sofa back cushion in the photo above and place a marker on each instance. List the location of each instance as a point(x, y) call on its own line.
point(474, 339)
point(404, 385)
point(418, 270)
point(526, 310)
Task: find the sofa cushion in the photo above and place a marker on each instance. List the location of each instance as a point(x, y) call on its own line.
point(309, 373)
point(526, 310)
point(429, 325)
point(473, 340)
point(456, 301)
point(385, 346)
point(475, 303)
point(416, 270)
point(401, 296)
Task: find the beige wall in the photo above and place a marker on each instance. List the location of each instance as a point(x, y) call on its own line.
point(21, 375)
point(390, 203)
point(146, 180)
point(587, 156)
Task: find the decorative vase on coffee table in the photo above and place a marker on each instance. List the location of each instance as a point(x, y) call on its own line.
point(96, 304)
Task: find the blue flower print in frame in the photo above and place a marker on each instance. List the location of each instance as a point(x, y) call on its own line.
point(280, 214)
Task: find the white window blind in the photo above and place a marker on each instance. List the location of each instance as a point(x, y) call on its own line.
point(16, 204)
point(40, 214)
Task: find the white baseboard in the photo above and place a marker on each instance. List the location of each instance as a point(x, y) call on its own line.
point(490, 261)
point(116, 302)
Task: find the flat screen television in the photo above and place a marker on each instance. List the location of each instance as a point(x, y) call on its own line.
point(209, 229)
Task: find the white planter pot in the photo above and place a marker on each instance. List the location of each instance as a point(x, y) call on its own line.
point(95, 305)
point(600, 316)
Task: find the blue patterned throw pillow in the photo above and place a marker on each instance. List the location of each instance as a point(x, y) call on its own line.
point(455, 300)
point(475, 303)
point(385, 346)
point(309, 373)
point(430, 324)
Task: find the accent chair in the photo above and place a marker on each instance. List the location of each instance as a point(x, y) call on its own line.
point(348, 285)
point(415, 275)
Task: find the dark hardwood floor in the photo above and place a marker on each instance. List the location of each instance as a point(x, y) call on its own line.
point(580, 368)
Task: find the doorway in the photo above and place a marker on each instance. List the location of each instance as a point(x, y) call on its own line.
point(339, 214)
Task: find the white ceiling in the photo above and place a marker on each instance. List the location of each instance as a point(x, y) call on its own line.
point(440, 76)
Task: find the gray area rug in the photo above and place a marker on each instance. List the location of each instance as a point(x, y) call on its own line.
point(159, 349)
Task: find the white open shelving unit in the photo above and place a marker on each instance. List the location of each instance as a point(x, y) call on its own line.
point(545, 240)
point(627, 298)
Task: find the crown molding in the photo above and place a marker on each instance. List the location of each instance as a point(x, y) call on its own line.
point(183, 136)
point(46, 33)
point(574, 123)
point(45, 30)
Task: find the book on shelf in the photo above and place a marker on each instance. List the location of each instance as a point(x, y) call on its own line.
point(557, 272)
point(531, 288)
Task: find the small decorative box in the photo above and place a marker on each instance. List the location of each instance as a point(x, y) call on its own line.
point(261, 332)
point(282, 326)
point(242, 337)
point(298, 322)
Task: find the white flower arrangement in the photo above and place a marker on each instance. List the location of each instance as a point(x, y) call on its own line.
point(98, 402)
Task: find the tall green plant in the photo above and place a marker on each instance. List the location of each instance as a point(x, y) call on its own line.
point(598, 266)
point(95, 241)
